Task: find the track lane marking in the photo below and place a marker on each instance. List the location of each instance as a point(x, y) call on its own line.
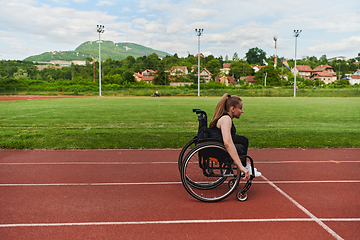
point(307, 212)
point(156, 183)
point(10, 225)
point(134, 163)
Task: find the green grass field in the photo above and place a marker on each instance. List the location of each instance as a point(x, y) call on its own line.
point(168, 122)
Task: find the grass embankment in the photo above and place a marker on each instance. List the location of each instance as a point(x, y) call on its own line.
point(144, 122)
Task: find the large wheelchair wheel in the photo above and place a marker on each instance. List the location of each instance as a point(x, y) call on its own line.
point(188, 146)
point(183, 154)
point(205, 170)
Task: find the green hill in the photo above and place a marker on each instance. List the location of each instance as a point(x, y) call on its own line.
point(109, 49)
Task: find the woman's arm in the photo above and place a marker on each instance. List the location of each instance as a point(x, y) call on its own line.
point(225, 124)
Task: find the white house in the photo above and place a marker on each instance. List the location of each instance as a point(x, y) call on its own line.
point(226, 68)
point(179, 70)
point(354, 78)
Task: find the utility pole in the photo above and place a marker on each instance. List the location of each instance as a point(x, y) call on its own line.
point(275, 57)
point(199, 32)
point(100, 29)
point(296, 35)
point(94, 69)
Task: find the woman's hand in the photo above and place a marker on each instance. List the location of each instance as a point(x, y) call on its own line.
point(246, 172)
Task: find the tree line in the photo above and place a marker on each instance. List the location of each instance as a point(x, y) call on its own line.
point(119, 73)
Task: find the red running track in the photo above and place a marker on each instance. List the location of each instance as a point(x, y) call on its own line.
point(137, 194)
point(17, 98)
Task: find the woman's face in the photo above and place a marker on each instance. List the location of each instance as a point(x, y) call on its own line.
point(237, 110)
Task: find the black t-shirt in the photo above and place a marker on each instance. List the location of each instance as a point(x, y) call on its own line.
point(215, 132)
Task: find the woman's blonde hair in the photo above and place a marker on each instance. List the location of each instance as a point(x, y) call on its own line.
point(223, 106)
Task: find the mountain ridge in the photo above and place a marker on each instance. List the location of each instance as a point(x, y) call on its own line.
point(109, 49)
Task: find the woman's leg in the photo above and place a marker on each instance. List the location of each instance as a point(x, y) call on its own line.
point(237, 139)
point(241, 144)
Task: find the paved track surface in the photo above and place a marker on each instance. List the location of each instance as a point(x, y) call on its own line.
point(137, 194)
point(17, 98)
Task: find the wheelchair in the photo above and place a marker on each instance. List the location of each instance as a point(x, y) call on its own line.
point(207, 171)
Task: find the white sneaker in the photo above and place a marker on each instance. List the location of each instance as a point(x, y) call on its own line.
point(257, 174)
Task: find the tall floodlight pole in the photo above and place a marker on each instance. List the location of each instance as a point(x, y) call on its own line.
point(199, 32)
point(100, 29)
point(296, 35)
point(275, 57)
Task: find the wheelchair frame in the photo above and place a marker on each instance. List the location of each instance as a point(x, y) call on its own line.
point(205, 165)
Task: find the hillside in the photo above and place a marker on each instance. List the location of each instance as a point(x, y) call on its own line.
point(109, 49)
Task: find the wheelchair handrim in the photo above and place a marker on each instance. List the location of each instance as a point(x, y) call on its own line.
point(189, 184)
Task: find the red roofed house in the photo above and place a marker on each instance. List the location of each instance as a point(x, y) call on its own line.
point(206, 75)
point(354, 78)
point(178, 70)
point(148, 72)
point(323, 76)
point(323, 73)
point(138, 76)
point(250, 79)
point(302, 70)
point(256, 68)
point(225, 80)
point(324, 68)
point(147, 76)
point(226, 68)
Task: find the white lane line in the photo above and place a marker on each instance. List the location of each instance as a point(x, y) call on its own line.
point(307, 212)
point(83, 184)
point(131, 163)
point(85, 163)
point(180, 222)
point(316, 161)
point(314, 181)
point(155, 183)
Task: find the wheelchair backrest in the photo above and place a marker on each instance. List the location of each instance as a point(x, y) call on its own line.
point(202, 118)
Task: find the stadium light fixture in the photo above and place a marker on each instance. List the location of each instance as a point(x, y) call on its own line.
point(100, 29)
point(198, 33)
point(296, 35)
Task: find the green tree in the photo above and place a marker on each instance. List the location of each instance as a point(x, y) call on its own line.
point(127, 76)
point(235, 57)
point(272, 76)
point(159, 79)
point(113, 79)
point(240, 69)
point(255, 56)
point(214, 66)
point(152, 61)
point(209, 58)
point(21, 73)
point(323, 60)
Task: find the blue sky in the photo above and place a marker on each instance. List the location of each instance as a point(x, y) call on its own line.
point(329, 27)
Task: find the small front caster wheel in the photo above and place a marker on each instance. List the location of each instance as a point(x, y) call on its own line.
point(242, 195)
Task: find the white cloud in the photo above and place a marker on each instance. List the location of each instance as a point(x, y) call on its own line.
point(104, 2)
point(125, 9)
point(349, 46)
point(47, 28)
point(329, 27)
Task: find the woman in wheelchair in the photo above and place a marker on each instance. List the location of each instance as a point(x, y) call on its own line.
point(222, 128)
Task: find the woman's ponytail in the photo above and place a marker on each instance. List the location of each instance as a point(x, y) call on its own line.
point(220, 109)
